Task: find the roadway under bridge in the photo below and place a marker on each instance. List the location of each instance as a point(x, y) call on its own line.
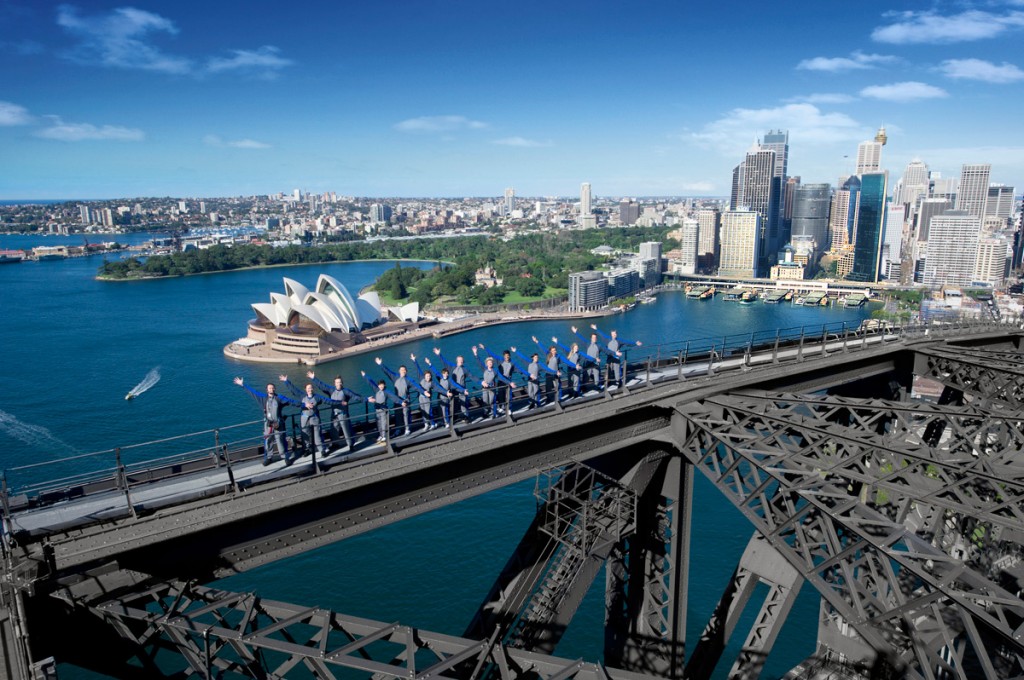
point(904, 514)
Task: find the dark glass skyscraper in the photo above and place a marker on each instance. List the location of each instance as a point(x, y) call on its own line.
point(867, 249)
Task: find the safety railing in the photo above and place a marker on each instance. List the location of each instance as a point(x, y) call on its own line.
point(121, 470)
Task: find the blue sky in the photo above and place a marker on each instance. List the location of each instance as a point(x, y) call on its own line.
point(420, 98)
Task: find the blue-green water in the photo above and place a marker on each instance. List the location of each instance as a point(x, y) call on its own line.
point(74, 346)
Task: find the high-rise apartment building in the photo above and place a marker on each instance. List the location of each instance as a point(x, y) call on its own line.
point(870, 228)
point(739, 253)
point(85, 214)
point(972, 194)
point(952, 249)
point(811, 213)
point(510, 200)
point(588, 291)
point(689, 238)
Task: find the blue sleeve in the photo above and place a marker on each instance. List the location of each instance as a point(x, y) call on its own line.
point(544, 367)
point(322, 386)
point(561, 346)
point(627, 343)
point(292, 388)
point(354, 396)
point(287, 400)
point(525, 360)
point(606, 337)
point(577, 334)
point(391, 374)
point(543, 349)
point(418, 368)
point(394, 398)
point(493, 355)
point(445, 361)
point(457, 386)
point(260, 398)
point(479, 362)
point(500, 378)
point(372, 383)
point(569, 361)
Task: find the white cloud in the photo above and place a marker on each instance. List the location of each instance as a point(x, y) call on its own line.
point(439, 124)
point(903, 92)
point(12, 114)
point(117, 39)
point(123, 38)
point(521, 141)
point(733, 133)
point(825, 98)
point(929, 27)
point(698, 187)
point(78, 132)
point(979, 69)
point(856, 60)
point(266, 59)
point(216, 140)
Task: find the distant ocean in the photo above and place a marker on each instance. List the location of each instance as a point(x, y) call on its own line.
point(44, 201)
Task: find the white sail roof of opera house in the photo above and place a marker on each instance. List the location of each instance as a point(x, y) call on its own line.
point(330, 306)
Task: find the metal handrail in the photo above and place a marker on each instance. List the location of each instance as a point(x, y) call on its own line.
point(712, 351)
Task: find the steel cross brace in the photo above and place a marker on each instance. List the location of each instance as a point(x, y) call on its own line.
point(262, 633)
point(987, 378)
point(874, 572)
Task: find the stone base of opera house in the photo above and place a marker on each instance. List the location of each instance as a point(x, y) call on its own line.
point(311, 347)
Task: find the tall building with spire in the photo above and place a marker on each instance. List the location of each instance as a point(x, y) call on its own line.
point(972, 194)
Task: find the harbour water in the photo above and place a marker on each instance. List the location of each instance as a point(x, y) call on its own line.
point(74, 346)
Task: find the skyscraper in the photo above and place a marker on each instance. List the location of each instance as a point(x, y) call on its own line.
point(510, 200)
point(709, 223)
point(1000, 201)
point(689, 236)
point(760, 190)
point(810, 214)
point(952, 249)
point(778, 141)
point(740, 254)
point(929, 208)
point(587, 220)
point(869, 157)
point(914, 184)
point(870, 228)
point(629, 211)
point(972, 194)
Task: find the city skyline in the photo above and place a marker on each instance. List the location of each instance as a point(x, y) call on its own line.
point(114, 100)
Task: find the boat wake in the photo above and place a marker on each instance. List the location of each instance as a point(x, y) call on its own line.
point(32, 435)
point(152, 378)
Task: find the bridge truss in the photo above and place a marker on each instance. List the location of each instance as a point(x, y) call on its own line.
point(906, 516)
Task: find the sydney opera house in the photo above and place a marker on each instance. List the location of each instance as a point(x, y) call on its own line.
point(304, 323)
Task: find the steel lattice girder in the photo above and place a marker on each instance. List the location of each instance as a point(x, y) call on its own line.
point(987, 375)
point(899, 593)
point(244, 634)
point(974, 471)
